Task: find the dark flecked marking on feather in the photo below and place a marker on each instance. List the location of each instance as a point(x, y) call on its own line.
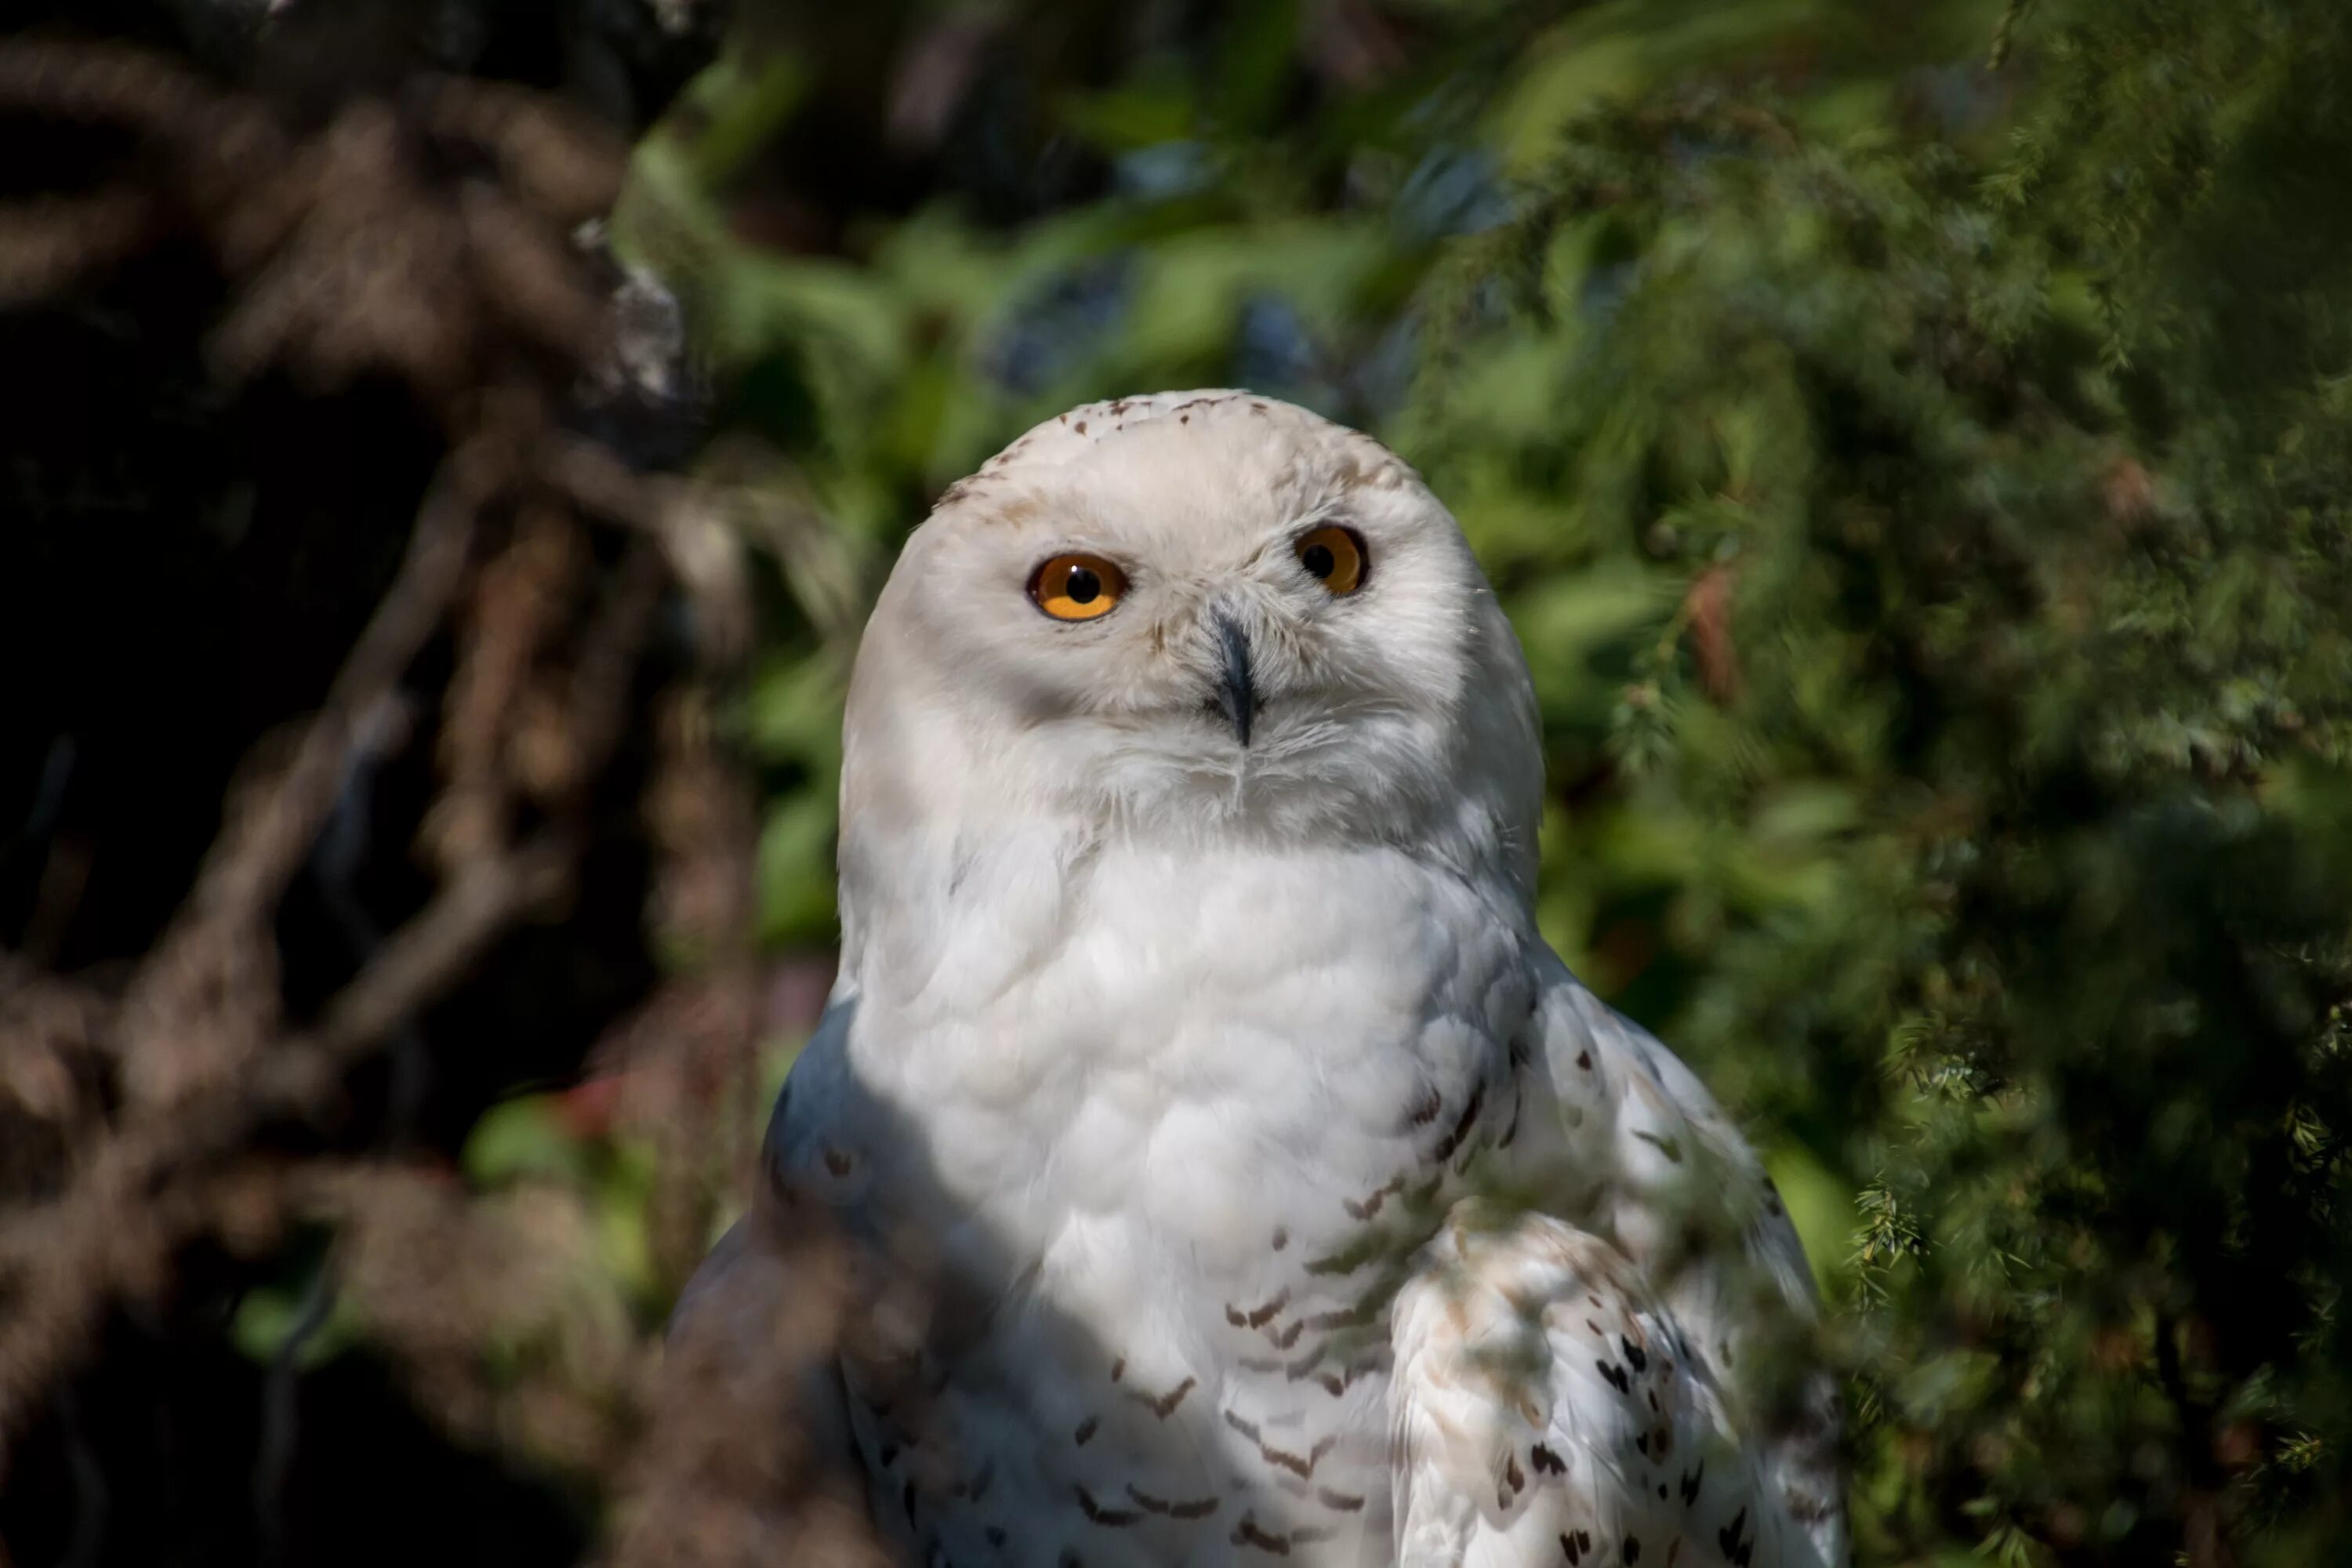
point(1174, 1508)
point(1247, 1533)
point(1165, 1405)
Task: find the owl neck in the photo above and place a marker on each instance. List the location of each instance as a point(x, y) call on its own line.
point(963, 839)
point(950, 918)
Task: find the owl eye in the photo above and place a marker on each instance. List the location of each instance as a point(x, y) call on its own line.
point(1077, 587)
point(1335, 557)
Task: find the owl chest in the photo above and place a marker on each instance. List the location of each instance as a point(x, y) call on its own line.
point(1186, 1159)
point(1202, 1051)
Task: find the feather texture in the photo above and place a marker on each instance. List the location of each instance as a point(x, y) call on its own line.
point(1200, 1096)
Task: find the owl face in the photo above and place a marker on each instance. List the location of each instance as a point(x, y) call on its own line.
point(1203, 610)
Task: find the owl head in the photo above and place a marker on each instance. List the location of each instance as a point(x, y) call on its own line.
point(1196, 616)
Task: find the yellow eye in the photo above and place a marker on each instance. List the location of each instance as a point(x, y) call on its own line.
point(1077, 587)
point(1335, 556)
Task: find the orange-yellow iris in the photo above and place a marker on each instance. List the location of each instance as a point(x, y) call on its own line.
point(1335, 557)
point(1077, 587)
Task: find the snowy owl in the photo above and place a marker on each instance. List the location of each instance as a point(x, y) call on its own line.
point(1279, 1196)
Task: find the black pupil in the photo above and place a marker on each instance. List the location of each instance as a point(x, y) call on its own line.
point(1083, 586)
point(1318, 559)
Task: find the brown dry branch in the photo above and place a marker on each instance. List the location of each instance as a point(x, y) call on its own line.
point(46, 243)
point(1713, 649)
point(201, 1005)
point(191, 1031)
point(565, 168)
point(135, 1109)
point(354, 253)
point(599, 680)
point(516, 601)
point(506, 1329)
point(701, 814)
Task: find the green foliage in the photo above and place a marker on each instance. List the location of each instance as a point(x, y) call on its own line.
point(1921, 490)
point(2011, 877)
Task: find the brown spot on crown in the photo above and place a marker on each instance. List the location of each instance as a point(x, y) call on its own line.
point(1019, 509)
point(1111, 1518)
point(1118, 1369)
point(1087, 1430)
point(1080, 427)
point(1281, 1238)
point(837, 1163)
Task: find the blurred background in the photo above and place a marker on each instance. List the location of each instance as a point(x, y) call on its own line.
point(447, 449)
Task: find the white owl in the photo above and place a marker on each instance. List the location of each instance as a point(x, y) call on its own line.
point(1278, 1196)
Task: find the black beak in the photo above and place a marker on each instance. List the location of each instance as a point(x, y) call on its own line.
point(1236, 696)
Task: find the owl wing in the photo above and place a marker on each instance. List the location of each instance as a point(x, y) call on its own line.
point(1573, 1392)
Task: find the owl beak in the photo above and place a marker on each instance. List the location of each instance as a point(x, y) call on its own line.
point(1236, 693)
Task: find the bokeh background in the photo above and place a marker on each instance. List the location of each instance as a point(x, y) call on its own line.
point(447, 447)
